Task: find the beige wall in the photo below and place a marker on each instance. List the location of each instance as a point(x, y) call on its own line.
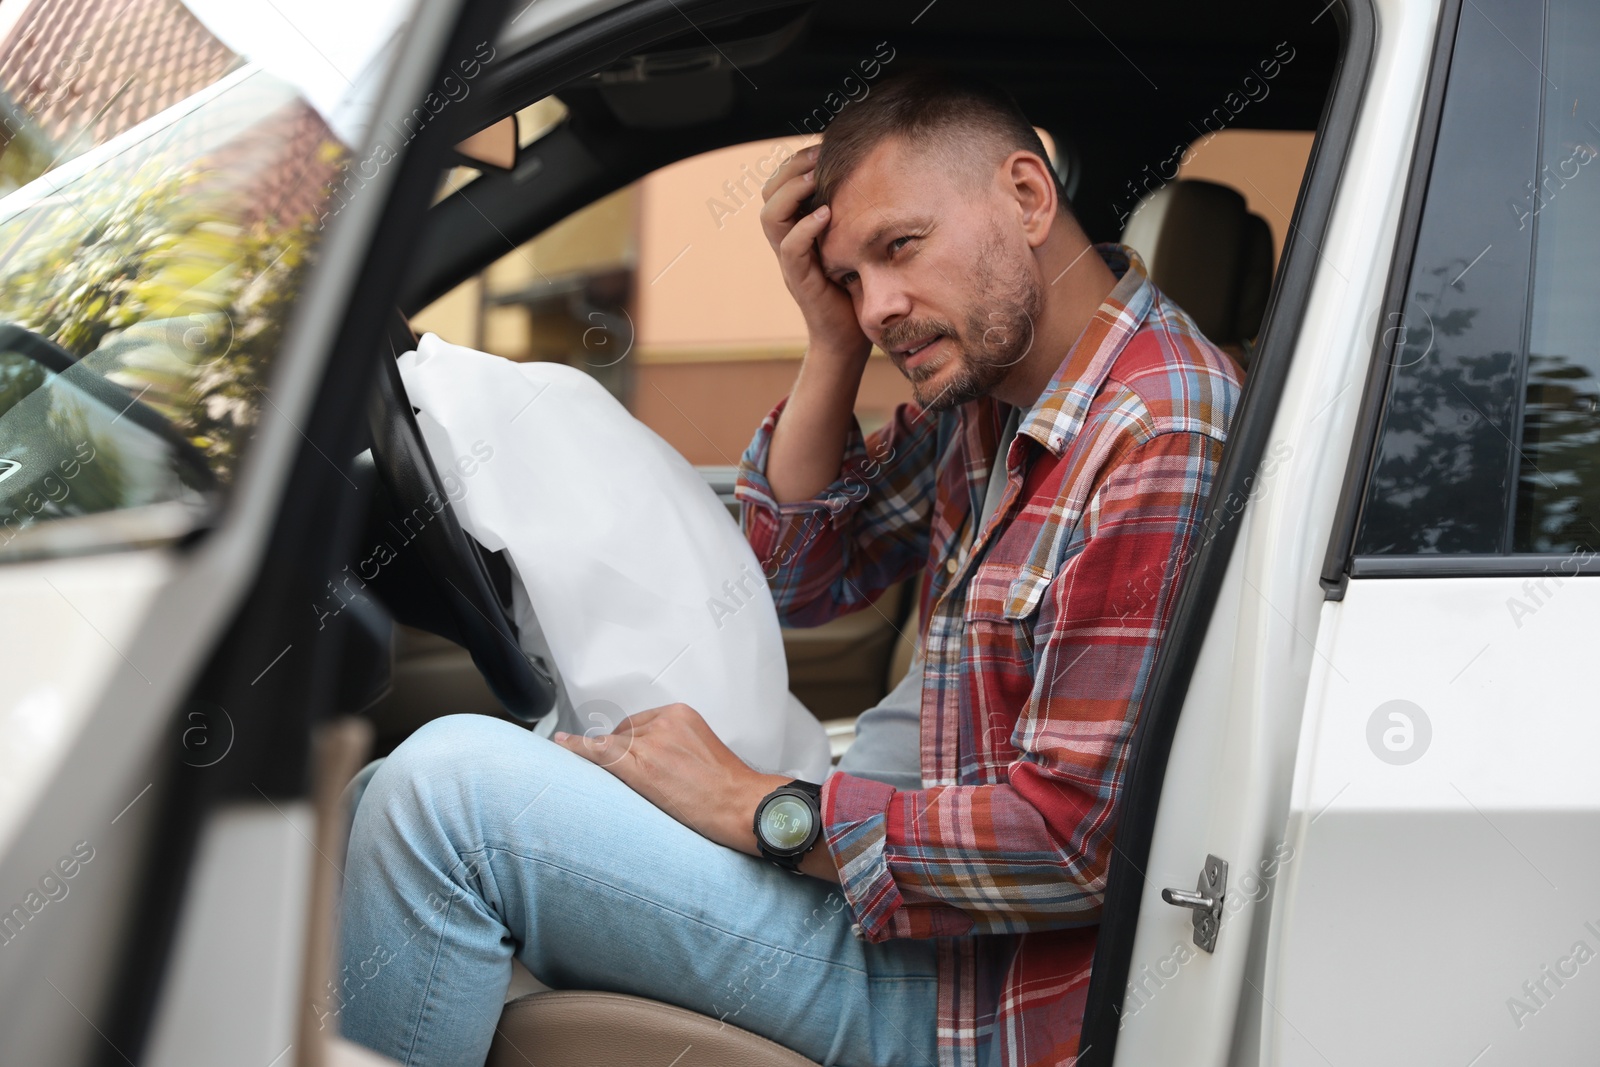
point(709, 411)
point(707, 279)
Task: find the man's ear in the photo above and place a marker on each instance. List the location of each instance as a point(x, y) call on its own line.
point(1034, 187)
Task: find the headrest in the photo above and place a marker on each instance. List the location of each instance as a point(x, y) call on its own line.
point(1208, 253)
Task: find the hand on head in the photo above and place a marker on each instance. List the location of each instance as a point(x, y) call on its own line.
point(793, 233)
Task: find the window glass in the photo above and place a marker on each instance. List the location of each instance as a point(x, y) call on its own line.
point(1442, 470)
point(74, 442)
point(167, 172)
point(1558, 495)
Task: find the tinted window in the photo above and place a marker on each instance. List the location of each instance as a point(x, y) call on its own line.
point(1443, 464)
point(1558, 497)
point(1490, 438)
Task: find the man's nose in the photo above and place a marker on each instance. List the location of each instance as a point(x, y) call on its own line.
point(882, 304)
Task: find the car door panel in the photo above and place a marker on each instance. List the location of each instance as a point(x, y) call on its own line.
point(1225, 789)
point(1439, 803)
point(62, 623)
point(1442, 775)
point(108, 633)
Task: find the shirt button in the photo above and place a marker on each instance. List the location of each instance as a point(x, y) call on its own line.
point(952, 565)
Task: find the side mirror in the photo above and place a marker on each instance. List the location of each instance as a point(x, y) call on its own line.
point(494, 146)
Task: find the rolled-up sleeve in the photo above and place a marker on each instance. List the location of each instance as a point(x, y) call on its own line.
point(868, 530)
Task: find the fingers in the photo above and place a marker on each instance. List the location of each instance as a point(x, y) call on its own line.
point(603, 750)
point(786, 193)
point(786, 202)
point(609, 749)
point(780, 213)
point(638, 719)
point(797, 250)
point(590, 748)
point(606, 748)
point(798, 164)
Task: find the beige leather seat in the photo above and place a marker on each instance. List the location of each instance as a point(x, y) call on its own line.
point(569, 1029)
point(1208, 252)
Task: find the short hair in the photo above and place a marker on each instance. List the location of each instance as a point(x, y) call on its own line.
point(957, 118)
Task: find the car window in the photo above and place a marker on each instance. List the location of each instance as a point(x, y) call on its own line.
point(165, 182)
point(75, 442)
point(1490, 440)
point(667, 293)
point(1266, 167)
point(1558, 479)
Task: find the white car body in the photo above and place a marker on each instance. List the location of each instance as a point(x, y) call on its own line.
point(1378, 911)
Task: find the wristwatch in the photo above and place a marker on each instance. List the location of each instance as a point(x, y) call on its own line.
point(788, 823)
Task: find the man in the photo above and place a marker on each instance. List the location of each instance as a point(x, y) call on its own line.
point(1048, 483)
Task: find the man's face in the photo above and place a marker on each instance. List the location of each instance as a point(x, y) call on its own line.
point(941, 275)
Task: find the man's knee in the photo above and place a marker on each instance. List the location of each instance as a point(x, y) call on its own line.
point(450, 743)
point(441, 761)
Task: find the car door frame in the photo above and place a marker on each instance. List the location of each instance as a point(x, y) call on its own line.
point(546, 72)
point(1232, 495)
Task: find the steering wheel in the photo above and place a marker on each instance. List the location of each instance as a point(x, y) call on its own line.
point(473, 585)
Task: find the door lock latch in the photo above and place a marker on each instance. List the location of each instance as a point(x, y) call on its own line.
point(1205, 901)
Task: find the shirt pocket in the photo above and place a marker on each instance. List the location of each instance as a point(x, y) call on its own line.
point(1000, 614)
point(1005, 593)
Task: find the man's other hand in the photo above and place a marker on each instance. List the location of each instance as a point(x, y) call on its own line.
point(669, 756)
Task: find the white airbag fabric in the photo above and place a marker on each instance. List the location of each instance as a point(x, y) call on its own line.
point(646, 591)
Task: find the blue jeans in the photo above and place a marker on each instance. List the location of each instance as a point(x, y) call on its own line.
point(476, 841)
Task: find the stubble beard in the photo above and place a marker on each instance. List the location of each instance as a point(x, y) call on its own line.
point(1001, 321)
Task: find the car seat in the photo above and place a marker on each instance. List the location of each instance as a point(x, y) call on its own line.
point(581, 1029)
point(1211, 255)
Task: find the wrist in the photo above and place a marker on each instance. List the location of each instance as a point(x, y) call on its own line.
point(738, 814)
point(844, 355)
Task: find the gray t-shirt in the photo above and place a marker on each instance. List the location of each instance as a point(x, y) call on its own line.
point(888, 744)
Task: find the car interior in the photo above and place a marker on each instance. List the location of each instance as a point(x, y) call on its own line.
point(1120, 95)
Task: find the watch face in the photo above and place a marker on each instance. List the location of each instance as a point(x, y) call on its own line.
point(786, 823)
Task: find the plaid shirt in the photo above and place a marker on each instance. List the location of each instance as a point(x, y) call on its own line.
point(1038, 633)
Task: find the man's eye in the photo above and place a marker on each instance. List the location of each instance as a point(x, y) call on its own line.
point(847, 279)
point(898, 243)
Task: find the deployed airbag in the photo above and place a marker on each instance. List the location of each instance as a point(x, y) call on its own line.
point(642, 585)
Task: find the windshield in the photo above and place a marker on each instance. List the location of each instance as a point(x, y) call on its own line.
point(167, 173)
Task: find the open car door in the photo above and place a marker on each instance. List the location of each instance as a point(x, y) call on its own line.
point(202, 241)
